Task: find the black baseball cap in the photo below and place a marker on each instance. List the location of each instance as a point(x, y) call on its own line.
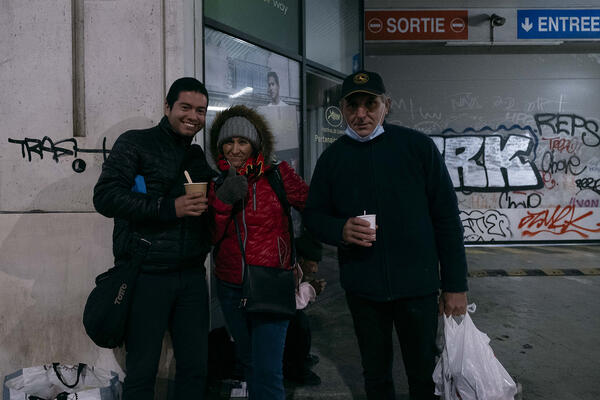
point(363, 81)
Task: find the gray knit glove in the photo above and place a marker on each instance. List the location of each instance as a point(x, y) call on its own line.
point(233, 189)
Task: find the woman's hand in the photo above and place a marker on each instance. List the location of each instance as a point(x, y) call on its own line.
point(318, 285)
point(233, 189)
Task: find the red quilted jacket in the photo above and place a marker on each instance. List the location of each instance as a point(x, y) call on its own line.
point(263, 226)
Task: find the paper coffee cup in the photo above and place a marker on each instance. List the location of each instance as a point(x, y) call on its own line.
point(197, 187)
point(370, 218)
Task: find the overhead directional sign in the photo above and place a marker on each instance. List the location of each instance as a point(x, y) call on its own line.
point(416, 25)
point(558, 24)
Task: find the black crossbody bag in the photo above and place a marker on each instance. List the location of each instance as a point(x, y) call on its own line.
point(107, 306)
point(270, 291)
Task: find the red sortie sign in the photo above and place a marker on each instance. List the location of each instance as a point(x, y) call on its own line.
point(416, 25)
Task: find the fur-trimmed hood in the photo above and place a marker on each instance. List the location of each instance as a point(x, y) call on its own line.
point(259, 122)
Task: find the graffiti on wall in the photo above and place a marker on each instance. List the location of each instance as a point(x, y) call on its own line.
point(546, 178)
point(490, 225)
point(559, 221)
point(490, 160)
point(571, 125)
point(57, 150)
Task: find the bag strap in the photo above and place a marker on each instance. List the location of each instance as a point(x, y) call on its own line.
point(80, 368)
point(239, 236)
point(276, 182)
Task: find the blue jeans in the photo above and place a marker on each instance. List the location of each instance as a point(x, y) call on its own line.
point(259, 344)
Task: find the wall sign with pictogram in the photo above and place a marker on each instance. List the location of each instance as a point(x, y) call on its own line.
point(399, 25)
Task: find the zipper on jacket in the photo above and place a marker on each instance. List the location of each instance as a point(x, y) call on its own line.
point(254, 195)
point(182, 227)
point(386, 269)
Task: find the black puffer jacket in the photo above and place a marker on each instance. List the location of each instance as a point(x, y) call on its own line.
point(156, 154)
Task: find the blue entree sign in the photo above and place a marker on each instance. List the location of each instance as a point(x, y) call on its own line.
point(558, 24)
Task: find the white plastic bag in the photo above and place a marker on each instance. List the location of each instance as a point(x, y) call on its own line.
point(69, 382)
point(467, 368)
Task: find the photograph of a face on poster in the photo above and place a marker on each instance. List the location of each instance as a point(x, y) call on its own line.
point(238, 72)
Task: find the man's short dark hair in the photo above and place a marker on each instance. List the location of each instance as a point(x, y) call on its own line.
point(186, 84)
point(273, 74)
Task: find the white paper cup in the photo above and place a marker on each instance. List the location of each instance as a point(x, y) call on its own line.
point(370, 218)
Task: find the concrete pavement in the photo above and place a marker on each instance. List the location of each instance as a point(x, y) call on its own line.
point(544, 327)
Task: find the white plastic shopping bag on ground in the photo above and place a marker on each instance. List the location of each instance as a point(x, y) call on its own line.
point(467, 368)
point(62, 382)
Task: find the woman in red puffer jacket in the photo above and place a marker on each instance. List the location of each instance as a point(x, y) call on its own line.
point(242, 146)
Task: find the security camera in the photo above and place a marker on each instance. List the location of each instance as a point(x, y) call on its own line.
point(497, 20)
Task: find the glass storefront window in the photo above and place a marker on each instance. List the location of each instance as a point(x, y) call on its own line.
point(237, 72)
point(332, 34)
point(272, 21)
point(325, 123)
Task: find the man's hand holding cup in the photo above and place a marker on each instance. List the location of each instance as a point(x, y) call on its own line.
point(360, 230)
point(194, 202)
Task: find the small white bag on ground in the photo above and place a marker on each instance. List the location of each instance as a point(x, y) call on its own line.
point(67, 382)
point(467, 368)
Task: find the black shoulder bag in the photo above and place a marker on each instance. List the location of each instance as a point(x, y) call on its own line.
point(107, 306)
point(270, 291)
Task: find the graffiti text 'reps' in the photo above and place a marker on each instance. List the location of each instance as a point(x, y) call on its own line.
point(568, 124)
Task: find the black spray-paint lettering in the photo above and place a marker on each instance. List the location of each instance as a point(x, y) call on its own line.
point(31, 146)
point(520, 200)
point(588, 184)
point(489, 226)
point(568, 166)
point(549, 125)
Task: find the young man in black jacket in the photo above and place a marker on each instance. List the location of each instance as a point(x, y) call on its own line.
point(141, 187)
point(392, 274)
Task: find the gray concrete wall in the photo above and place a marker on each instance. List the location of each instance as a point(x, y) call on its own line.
point(518, 125)
point(52, 243)
point(519, 178)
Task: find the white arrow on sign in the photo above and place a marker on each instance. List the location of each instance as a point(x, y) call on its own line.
point(527, 25)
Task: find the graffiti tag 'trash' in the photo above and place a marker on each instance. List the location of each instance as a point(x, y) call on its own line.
point(57, 150)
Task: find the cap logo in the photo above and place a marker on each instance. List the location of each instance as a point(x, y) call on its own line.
point(361, 78)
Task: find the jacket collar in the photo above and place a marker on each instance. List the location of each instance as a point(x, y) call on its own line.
point(166, 127)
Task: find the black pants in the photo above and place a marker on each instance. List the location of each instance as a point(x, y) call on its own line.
point(415, 320)
point(179, 301)
point(297, 346)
